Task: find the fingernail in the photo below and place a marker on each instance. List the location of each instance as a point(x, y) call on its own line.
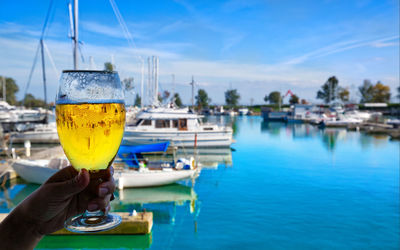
point(103, 191)
point(93, 206)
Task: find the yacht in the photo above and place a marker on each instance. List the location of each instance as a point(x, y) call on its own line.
point(11, 116)
point(40, 133)
point(181, 127)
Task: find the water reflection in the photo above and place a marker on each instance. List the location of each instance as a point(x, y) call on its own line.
point(330, 137)
point(162, 201)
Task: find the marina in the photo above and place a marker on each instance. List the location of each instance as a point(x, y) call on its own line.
point(349, 176)
point(199, 125)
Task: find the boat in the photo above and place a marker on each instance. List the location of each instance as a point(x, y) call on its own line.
point(142, 172)
point(38, 171)
point(41, 133)
point(243, 111)
point(179, 126)
point(136, 170)
point(340, 122)
point(11, 116)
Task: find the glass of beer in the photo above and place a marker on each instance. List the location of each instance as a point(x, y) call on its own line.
point(90, 115)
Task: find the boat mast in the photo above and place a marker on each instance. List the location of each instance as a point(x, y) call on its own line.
point(192, 83)
point(43, 73)
point(75, 36)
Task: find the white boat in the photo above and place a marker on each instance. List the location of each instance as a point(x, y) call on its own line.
point(41, 133)
point(179, 126)
point(38, 171)
point(356, 114)
point(151, 178)
point(341, 121)
point(243, 111)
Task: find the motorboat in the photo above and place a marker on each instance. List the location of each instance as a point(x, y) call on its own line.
point(181, 127)
point(135, 170)
point(243, 111)
point(38, 171)
point(40, 133)
point(341, 121)
point(140, 171)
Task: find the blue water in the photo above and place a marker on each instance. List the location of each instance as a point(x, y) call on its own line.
point(288, 187)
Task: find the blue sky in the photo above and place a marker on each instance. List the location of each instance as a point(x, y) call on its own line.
point(254, 46)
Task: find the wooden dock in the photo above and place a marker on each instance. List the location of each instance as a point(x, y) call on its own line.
point(139, 224)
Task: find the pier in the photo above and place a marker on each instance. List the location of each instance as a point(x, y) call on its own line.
point(138, 224)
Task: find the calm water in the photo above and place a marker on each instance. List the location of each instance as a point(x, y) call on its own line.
point(282, 187)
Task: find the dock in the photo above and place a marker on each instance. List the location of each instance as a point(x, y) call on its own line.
point(139, 224)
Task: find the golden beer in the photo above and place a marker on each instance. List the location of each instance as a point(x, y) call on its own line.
point(90, 133)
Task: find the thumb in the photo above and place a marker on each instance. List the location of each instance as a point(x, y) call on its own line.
point(74, 185)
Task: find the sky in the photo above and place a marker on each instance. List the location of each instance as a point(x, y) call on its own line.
point(254, 46)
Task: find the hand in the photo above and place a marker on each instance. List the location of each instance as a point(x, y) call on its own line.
point(67, 193)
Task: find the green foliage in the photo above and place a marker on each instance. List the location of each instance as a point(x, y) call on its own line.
point(344, 94)
point(232, 97)
point(11, 89)
point(329, 89)
point(109, 66)
point(398, 93)
point(138, 100)
point(366, 91)
point(202, 99)
point(381, 93)
point(374, 93)
point(128, 83)
point(274, 97)
point(31, 102)
point(266, 98)
point(177, 100)
point(294, 99)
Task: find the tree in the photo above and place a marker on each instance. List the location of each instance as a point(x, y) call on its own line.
point(381, 93)
point(366, 91)
point(266, 98)
point(109, 66)
point(127, 83)
point(344, 94)
point(177, 100)
point(138, 100)
point(274, 97)
point(11, 89)
point(232, 97)
point(202, 99)
point(374, 93)
point(294, 99)
point(398, 93)
point(303, 101)
point(31, 102)
point(329, 89)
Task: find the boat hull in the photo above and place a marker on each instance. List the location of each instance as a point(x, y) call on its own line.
point(179, 139)
point(33, 171)
point(36, 137)
point(151, 178)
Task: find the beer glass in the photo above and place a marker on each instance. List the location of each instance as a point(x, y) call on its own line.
point(90, 115)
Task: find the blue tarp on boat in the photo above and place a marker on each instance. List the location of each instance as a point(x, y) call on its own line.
point(129, 154)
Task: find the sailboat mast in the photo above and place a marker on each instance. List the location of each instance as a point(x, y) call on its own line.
point(192, 83)
point(43, 72)
point(76, 43)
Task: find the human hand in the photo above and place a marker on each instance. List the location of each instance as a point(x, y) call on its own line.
point(67, 193)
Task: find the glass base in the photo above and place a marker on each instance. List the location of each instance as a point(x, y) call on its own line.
point(92, 222)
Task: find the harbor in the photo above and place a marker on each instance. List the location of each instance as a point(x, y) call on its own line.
point(199, 125)
point(284, 181)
